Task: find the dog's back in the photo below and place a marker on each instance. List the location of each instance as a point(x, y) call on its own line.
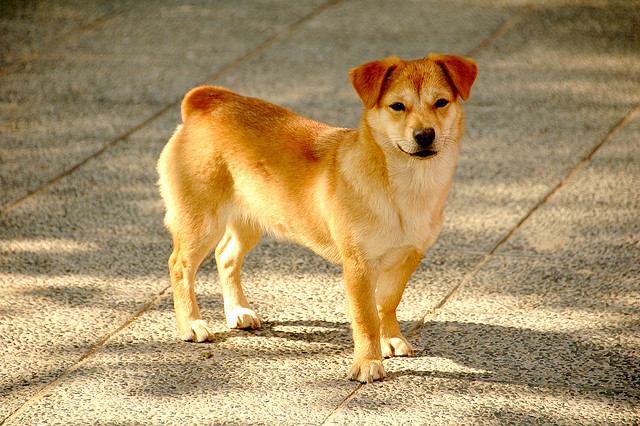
point(243, 123)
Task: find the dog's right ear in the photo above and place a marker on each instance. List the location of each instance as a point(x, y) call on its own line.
point(368, 79)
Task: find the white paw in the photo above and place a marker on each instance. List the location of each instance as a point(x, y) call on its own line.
point(395, 346)
point(198, 331)
point(239, 317)
point(366, 371)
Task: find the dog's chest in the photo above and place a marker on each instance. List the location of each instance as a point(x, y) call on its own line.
point(407, 225)
point(420, 220)
point(419, 201)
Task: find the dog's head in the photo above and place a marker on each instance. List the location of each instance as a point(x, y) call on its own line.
point(413, 107)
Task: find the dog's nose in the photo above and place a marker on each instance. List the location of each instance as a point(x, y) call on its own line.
point(424, 136)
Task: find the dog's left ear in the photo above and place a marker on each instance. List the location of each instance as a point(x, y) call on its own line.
point(368, 79)
point(462, 71)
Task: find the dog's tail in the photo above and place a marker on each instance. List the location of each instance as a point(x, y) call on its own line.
point(203, 98)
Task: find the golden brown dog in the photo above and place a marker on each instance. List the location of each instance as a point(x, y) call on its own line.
point(369, 198)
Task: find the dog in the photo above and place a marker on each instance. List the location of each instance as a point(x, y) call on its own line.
point(370, 198)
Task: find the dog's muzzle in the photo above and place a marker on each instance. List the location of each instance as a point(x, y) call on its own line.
point(424, 137)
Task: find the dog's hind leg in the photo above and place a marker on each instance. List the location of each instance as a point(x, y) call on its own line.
point(389, 291)
point(240, 237)
point(191, 245)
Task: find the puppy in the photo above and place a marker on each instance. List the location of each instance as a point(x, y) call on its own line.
point(369, 198)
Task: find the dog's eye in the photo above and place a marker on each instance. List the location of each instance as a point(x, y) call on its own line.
point(398, 106)
point(441, 103)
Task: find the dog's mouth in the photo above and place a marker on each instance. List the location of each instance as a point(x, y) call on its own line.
point(425, 153)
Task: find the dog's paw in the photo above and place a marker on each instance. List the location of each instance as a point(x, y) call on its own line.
point(240, 317)
point(366, 371)
point(197, 331)
point(395, 346)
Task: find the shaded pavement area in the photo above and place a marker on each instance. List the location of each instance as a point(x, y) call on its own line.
point(526, 310)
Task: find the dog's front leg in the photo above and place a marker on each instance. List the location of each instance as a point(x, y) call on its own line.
point(367, 356)
point(391, 284)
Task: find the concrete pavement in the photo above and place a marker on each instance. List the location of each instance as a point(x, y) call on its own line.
point(524, 312)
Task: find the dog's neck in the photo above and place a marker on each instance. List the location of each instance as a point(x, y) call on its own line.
point(413, 190)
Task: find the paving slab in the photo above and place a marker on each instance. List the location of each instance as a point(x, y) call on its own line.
point(542, 330)
point(28, 28)
point(77, 261)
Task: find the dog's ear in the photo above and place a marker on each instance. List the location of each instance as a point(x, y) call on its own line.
point(368, 79)
point(462, 71)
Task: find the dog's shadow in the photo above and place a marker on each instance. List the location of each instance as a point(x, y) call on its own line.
point(488, 353)
point(330, 333)
point(501, 354)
